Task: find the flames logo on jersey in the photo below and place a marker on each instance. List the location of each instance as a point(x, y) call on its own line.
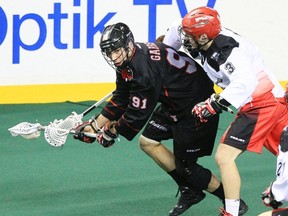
point(127, 74)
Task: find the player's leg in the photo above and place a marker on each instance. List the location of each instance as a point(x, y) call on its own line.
point(166, 160)
point(250, 129)
point(192, 140)
point(158, 152)
point(199, 182)
point(199, 178)
point(215, 187)
point(225, 157)
point(158, 129)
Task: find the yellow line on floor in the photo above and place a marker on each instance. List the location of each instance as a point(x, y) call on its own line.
point(54, 93)
point(60, 92)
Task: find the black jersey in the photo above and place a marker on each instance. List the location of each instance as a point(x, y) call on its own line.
point(156, 73)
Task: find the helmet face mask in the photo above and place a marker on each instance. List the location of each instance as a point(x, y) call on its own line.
point(116, 45)
point(191, 45)
point(116, 58)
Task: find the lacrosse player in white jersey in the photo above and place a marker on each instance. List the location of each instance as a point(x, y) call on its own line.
point(277, 193)
point(234, 64)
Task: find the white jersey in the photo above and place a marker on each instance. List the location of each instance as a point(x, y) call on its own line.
point(234, 64)
point(172, 37)
point(280, 186)
point(242, 74)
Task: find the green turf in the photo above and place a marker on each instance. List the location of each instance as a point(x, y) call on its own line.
point(81, 179)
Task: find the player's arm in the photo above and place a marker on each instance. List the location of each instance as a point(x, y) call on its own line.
point(141, 106)
point(101, 124)
point(242, 81)
point(172, 36)
point(117, 105)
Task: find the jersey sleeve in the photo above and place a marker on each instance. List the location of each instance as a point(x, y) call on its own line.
point(142, 102)
point(239, 70)
point(132, 104)
point(172, 37)
point(117, 105)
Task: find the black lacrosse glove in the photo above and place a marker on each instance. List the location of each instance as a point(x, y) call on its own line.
point(84, 136)
point(269, 200)
point(107, 138)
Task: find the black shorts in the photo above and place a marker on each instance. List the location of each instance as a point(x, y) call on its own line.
point(191, 139)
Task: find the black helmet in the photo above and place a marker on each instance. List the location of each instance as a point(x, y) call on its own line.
point(115, 36)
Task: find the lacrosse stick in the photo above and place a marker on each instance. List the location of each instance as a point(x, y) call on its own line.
point(57, 131)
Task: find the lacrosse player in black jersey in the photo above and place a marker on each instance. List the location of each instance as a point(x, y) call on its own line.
point(155, 81)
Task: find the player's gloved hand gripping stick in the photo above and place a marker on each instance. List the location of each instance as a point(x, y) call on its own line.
point(105, 135)
point(57, 131)
point(212, 106)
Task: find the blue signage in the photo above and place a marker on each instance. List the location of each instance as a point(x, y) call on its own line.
point(92, 27)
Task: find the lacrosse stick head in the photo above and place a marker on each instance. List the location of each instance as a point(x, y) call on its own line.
point(57, 131)
point(26, 130)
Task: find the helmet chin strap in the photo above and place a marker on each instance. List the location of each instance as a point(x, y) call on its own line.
point(200, 46)
point(126, 62)
point(196, 52)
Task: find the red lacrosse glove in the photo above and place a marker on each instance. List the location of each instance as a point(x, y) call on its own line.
point(107, 137)
point(205, 110)
point(269, 200)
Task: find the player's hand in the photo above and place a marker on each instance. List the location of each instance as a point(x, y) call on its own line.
point(85, 132)
point(205, 110)
point(269, 200)
point(108, 135)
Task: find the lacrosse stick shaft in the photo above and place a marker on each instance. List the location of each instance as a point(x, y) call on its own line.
point(96, 104)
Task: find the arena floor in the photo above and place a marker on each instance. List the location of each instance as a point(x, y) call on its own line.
point(87, 179)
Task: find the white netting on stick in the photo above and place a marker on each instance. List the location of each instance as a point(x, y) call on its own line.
point(57, 131)
point(56, 136)
point(26, 130)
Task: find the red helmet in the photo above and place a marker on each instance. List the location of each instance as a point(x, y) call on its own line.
point(202, 20)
